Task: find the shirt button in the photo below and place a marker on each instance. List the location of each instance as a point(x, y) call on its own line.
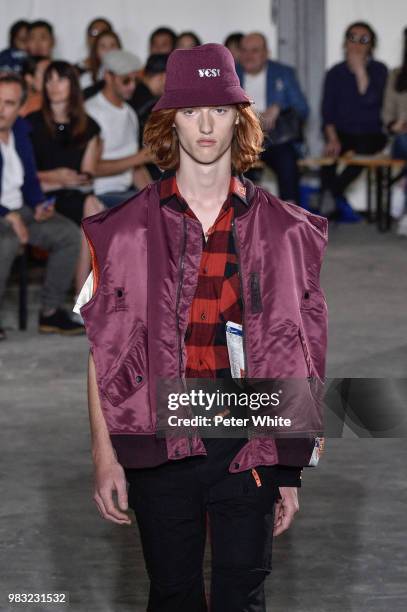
point(203, 316)
point(139, 379)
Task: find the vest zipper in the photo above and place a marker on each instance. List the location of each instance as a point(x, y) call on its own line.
point(181, 278)
point(242, 297)
point(237, 247)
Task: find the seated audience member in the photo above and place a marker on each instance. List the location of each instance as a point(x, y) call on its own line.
point(66, 148)
point(187, 40)
point(149, 88)
point(232, 42)
point(394, 116)
point(120, 171)
point(351, 112)
point(282, 108)
point(162, 40)
point(103, 43)
point(97, 26)
point(41, 40)
point(12, 58)
point(26, 218)
point(33, 73)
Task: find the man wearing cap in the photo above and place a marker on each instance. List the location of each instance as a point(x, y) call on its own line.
point(120, 172)
point(193, 253)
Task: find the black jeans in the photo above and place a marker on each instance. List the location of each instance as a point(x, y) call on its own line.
point(174, 504)
point(282, 159)
point(362, 144)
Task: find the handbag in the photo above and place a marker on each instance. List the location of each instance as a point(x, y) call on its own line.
point(288, 128)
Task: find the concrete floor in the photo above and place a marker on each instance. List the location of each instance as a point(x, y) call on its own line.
point(347, 548)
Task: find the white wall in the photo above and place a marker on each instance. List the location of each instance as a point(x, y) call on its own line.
point(134, 20)
point(387, 17)
point(212, 20)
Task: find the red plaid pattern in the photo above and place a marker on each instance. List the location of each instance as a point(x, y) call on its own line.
point(217, 298)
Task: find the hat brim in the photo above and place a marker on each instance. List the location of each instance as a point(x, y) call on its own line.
point(186, 98)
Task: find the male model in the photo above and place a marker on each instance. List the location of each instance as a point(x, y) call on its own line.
point(199, 253)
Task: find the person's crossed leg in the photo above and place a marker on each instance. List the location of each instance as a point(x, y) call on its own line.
point(61, 238)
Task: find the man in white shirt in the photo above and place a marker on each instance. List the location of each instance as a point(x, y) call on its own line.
point(27, 218)
point(282, 108)
point(120, 172)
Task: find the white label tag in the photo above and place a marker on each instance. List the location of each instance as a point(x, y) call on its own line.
point(234, 338)
point(85, 294)
point(317, 452)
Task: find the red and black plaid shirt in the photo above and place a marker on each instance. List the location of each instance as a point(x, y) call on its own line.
point(217, 298)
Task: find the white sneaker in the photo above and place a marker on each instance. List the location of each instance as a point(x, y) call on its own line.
point(402, 226)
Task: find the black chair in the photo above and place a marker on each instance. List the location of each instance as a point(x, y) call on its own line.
point(22, 265)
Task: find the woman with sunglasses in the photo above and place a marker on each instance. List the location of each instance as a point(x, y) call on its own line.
point(395, 119)
point(351, 112)
point(66, 148)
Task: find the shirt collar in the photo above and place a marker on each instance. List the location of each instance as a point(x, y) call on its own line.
point(168, 188)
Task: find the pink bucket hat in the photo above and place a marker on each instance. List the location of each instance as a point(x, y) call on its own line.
point(201, 76)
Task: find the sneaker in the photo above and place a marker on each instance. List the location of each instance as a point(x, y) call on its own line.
point(77, 318)
point(59, 323)
point(327, 205)
point(346, 212)
point(402, 226)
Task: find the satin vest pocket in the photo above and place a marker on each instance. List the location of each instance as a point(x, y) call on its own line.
point(305, 351)
point(312, 300)
point(131, 373)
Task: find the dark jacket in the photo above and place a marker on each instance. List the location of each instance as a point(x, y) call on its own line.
point(146, 260)
point(348, 110)
point(31, 188)
point(282, 87)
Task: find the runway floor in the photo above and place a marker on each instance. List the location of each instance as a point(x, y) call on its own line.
point(346, 551)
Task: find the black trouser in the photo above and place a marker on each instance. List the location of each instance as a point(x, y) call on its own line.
point(173, 504)
point(362, 144)
point(282, 159)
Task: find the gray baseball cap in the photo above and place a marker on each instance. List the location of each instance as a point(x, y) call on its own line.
point(121, 62)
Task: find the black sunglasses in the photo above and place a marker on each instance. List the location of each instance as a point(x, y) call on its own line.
point(128, 79)
point(364, 39)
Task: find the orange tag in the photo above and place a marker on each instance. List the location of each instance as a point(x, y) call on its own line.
point(256, 477)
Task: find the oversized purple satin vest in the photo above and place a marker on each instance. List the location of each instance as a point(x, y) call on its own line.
point(137, 318)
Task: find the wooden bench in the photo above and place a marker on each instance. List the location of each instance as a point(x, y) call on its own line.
point(378, 168)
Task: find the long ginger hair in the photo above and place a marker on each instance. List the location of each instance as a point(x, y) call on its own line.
point(162, 139)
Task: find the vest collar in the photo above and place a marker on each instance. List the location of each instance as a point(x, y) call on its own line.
point(168, 188)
